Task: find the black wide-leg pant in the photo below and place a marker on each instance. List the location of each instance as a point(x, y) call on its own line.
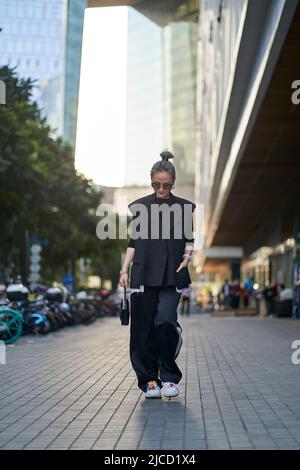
point(154, 336)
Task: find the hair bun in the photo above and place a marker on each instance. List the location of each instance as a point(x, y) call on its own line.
point(166, 155)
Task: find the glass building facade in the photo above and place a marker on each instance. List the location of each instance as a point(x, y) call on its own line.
point(42, 39)
point(145, 123)
point(162, 86)
point(220, 24)
point(73, 45)
point(32, 40)
point(180, 71)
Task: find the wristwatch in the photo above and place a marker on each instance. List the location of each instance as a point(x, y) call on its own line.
point(187, 256)
point(123, 272)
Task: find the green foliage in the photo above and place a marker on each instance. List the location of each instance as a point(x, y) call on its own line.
point(41, 193)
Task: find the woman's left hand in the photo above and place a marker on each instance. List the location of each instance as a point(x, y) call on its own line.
point(183, 264)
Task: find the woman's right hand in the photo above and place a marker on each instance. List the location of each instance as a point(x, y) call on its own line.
point(123, 280)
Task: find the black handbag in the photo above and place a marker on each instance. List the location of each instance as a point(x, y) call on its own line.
point(124, 314)
point(182, 278)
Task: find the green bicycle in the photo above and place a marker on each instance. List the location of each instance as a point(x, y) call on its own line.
point(10, 325)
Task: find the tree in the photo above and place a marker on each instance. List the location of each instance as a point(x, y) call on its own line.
point(41, 193)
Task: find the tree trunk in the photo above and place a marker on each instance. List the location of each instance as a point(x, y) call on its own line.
point(24, 257)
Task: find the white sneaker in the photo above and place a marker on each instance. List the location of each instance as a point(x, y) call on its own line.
point(170, 390)
point(153, 390)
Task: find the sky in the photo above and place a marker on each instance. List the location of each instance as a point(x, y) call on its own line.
point(101, 126)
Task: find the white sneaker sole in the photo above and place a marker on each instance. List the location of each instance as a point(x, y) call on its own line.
point(171, 395)
point(152, 396)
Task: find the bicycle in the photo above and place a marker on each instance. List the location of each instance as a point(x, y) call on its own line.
point(11, 325)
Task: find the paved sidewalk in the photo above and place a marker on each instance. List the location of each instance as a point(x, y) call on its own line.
point(75, 389)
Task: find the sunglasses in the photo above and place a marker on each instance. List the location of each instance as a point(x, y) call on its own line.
point(157, 185)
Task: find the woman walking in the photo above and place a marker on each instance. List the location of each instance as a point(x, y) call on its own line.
point(158, 275)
